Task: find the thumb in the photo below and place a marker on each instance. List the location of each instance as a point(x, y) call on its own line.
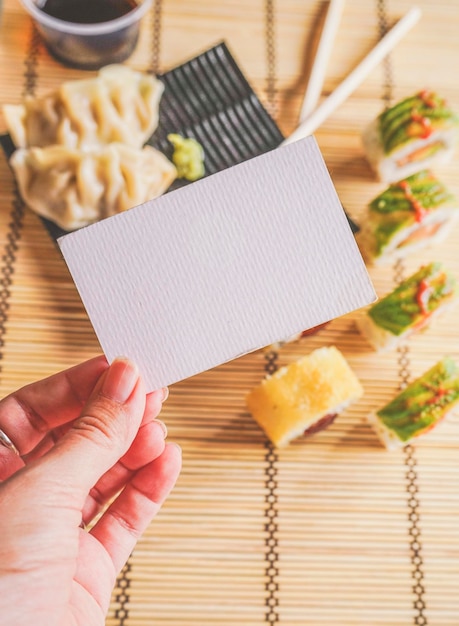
point(102, 434)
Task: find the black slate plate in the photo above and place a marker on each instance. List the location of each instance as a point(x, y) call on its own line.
point(208, 98)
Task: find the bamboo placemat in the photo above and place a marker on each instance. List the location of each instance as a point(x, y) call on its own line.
point(333, 530)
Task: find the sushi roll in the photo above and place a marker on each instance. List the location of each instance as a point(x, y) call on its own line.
point(410, 136)
point(410, 308)
point(420, 407)
point(409, 215)
point(305, 396)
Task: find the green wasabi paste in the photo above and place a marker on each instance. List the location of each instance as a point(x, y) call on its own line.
point(188, 157)
point(421, 405)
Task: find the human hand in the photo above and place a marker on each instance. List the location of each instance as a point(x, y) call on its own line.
point(83, 435)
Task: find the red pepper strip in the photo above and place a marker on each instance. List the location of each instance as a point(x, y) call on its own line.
point(422, 296)
point(425, 123)
point(427, 97)
point(439, 393)
point(419, 210)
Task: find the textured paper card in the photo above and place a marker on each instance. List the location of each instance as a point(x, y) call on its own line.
point(232, 263)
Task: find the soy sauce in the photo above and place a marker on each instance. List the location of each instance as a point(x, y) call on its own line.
point(87, 11)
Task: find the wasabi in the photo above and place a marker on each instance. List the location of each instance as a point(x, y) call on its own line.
point(188, 157)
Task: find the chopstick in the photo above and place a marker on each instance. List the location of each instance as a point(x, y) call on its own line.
point(353, 80)
point(316, 79)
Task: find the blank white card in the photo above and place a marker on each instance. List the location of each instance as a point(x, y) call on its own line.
point(221, 267)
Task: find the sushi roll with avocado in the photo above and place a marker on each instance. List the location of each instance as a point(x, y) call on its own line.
point(410, 308)
point(420, 407)
point(409, 215)
point(412, 135)
point(304, 397)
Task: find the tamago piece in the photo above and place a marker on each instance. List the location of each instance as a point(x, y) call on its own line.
point(409, 215)
point(305, 396)
point(420, 407)
point(410, 307)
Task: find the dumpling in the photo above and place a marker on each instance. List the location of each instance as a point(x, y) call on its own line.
point(118, 105)
point(74, 188)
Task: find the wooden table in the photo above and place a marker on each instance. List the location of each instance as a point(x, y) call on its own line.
point(332, 530)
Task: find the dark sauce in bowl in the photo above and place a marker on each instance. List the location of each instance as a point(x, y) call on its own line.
point(87, 11)
point(89, 34)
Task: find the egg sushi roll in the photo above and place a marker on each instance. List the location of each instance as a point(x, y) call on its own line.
point(305, 396)
point(412, 135)
point(420, 407)
point(409, 308)
point(409, 215)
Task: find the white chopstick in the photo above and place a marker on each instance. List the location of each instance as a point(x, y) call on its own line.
point(316, 79)
point(353, 80)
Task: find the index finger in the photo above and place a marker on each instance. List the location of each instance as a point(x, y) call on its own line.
point(28, 414)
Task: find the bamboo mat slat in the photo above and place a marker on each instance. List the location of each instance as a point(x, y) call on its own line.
point(332, 530)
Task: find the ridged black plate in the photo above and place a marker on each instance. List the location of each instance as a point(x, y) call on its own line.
point(208, 98)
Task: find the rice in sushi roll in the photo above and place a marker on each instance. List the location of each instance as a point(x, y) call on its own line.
point(409, 308)
point(409, 215)
point(420, 407)
point(412, 135)
point(305, 396)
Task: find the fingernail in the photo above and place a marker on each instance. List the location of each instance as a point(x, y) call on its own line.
point(163, 426)
point(176, 445)
point(165, 391)
point(120, 380)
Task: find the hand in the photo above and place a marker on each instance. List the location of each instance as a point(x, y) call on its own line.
point(83, 435)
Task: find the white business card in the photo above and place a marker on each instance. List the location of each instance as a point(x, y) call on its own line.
point(224, 266)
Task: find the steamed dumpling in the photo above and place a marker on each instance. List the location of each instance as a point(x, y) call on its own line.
point(74, 188)
point(118, 105)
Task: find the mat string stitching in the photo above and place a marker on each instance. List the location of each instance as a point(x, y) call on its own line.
point(388, 81)
point(271, 457)
point(412, 489)
point(271, 526)
point(271, 541)
point(156, 36)
point(271, 58)
point(18, 208)
point(122, 594)
point(31, 63)
point(414, 530)
point(404, 363)
point(271, 511)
